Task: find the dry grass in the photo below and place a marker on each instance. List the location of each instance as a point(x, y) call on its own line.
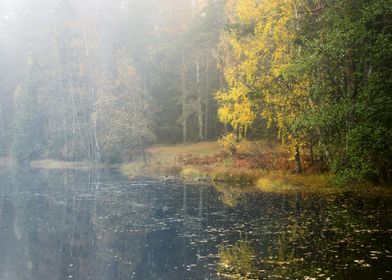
point(208, 161)
point(171, 160)
point(281, 182)
point(171, 154)
point(151, 169)
point(264, 165)
point(194, 173)
point(235, 175)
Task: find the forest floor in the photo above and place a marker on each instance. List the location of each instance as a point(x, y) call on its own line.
point(264, 165)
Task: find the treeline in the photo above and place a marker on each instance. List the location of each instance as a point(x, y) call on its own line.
point(319, 72)
point(78, 94)
point(96, 80)
point(93, 80)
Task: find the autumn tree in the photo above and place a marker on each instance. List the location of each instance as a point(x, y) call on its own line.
point(258, 67)
point(123, 113)
point(310, 68)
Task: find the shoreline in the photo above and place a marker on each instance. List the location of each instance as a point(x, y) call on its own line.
point(170, 162)
point(207, 163)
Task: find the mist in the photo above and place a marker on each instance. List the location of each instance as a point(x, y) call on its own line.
point(100, 80)
point(195, 139)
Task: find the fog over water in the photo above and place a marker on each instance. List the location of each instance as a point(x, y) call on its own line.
point(97, 225)
point(195, 139)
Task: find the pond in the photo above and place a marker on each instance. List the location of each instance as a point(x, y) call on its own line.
point(98, 225)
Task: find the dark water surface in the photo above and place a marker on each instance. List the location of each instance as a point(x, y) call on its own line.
point(97, 225)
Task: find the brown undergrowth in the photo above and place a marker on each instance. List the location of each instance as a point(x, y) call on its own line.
point(264, 165)
point(211, 161)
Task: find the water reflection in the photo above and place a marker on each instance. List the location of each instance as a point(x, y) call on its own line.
point(96, 225)
point(345, 237)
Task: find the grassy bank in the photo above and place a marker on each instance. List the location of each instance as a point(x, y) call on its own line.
point(168, 160)
point(252, 164)
point(263, 166)
point(258, 166)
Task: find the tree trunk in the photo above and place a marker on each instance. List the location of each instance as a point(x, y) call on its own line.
point(184, 101)
point(381, 173)
point(384, 173)
point(325, 155)
point(73, 103)
point(350, 91)
point(298, 167)
point(311, 153)
point(206, 98)
point(199, 101)
point(97, 147)
point(389, 174)
point(63, 102)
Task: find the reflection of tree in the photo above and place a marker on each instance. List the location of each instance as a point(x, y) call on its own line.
point(231, 195)
point(237, 262)
point(316, 238)
point(71, 223)
point(120, 233)
point(13, 258)
point(308, 246)
point(192, 225)
point(67, 224)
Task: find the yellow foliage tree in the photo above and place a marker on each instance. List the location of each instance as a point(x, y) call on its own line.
point(257, 57)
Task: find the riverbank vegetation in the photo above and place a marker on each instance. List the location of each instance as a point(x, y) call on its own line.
point(235, 174)
point(298, 92)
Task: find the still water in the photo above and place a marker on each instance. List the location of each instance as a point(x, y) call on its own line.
point(98, 225)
